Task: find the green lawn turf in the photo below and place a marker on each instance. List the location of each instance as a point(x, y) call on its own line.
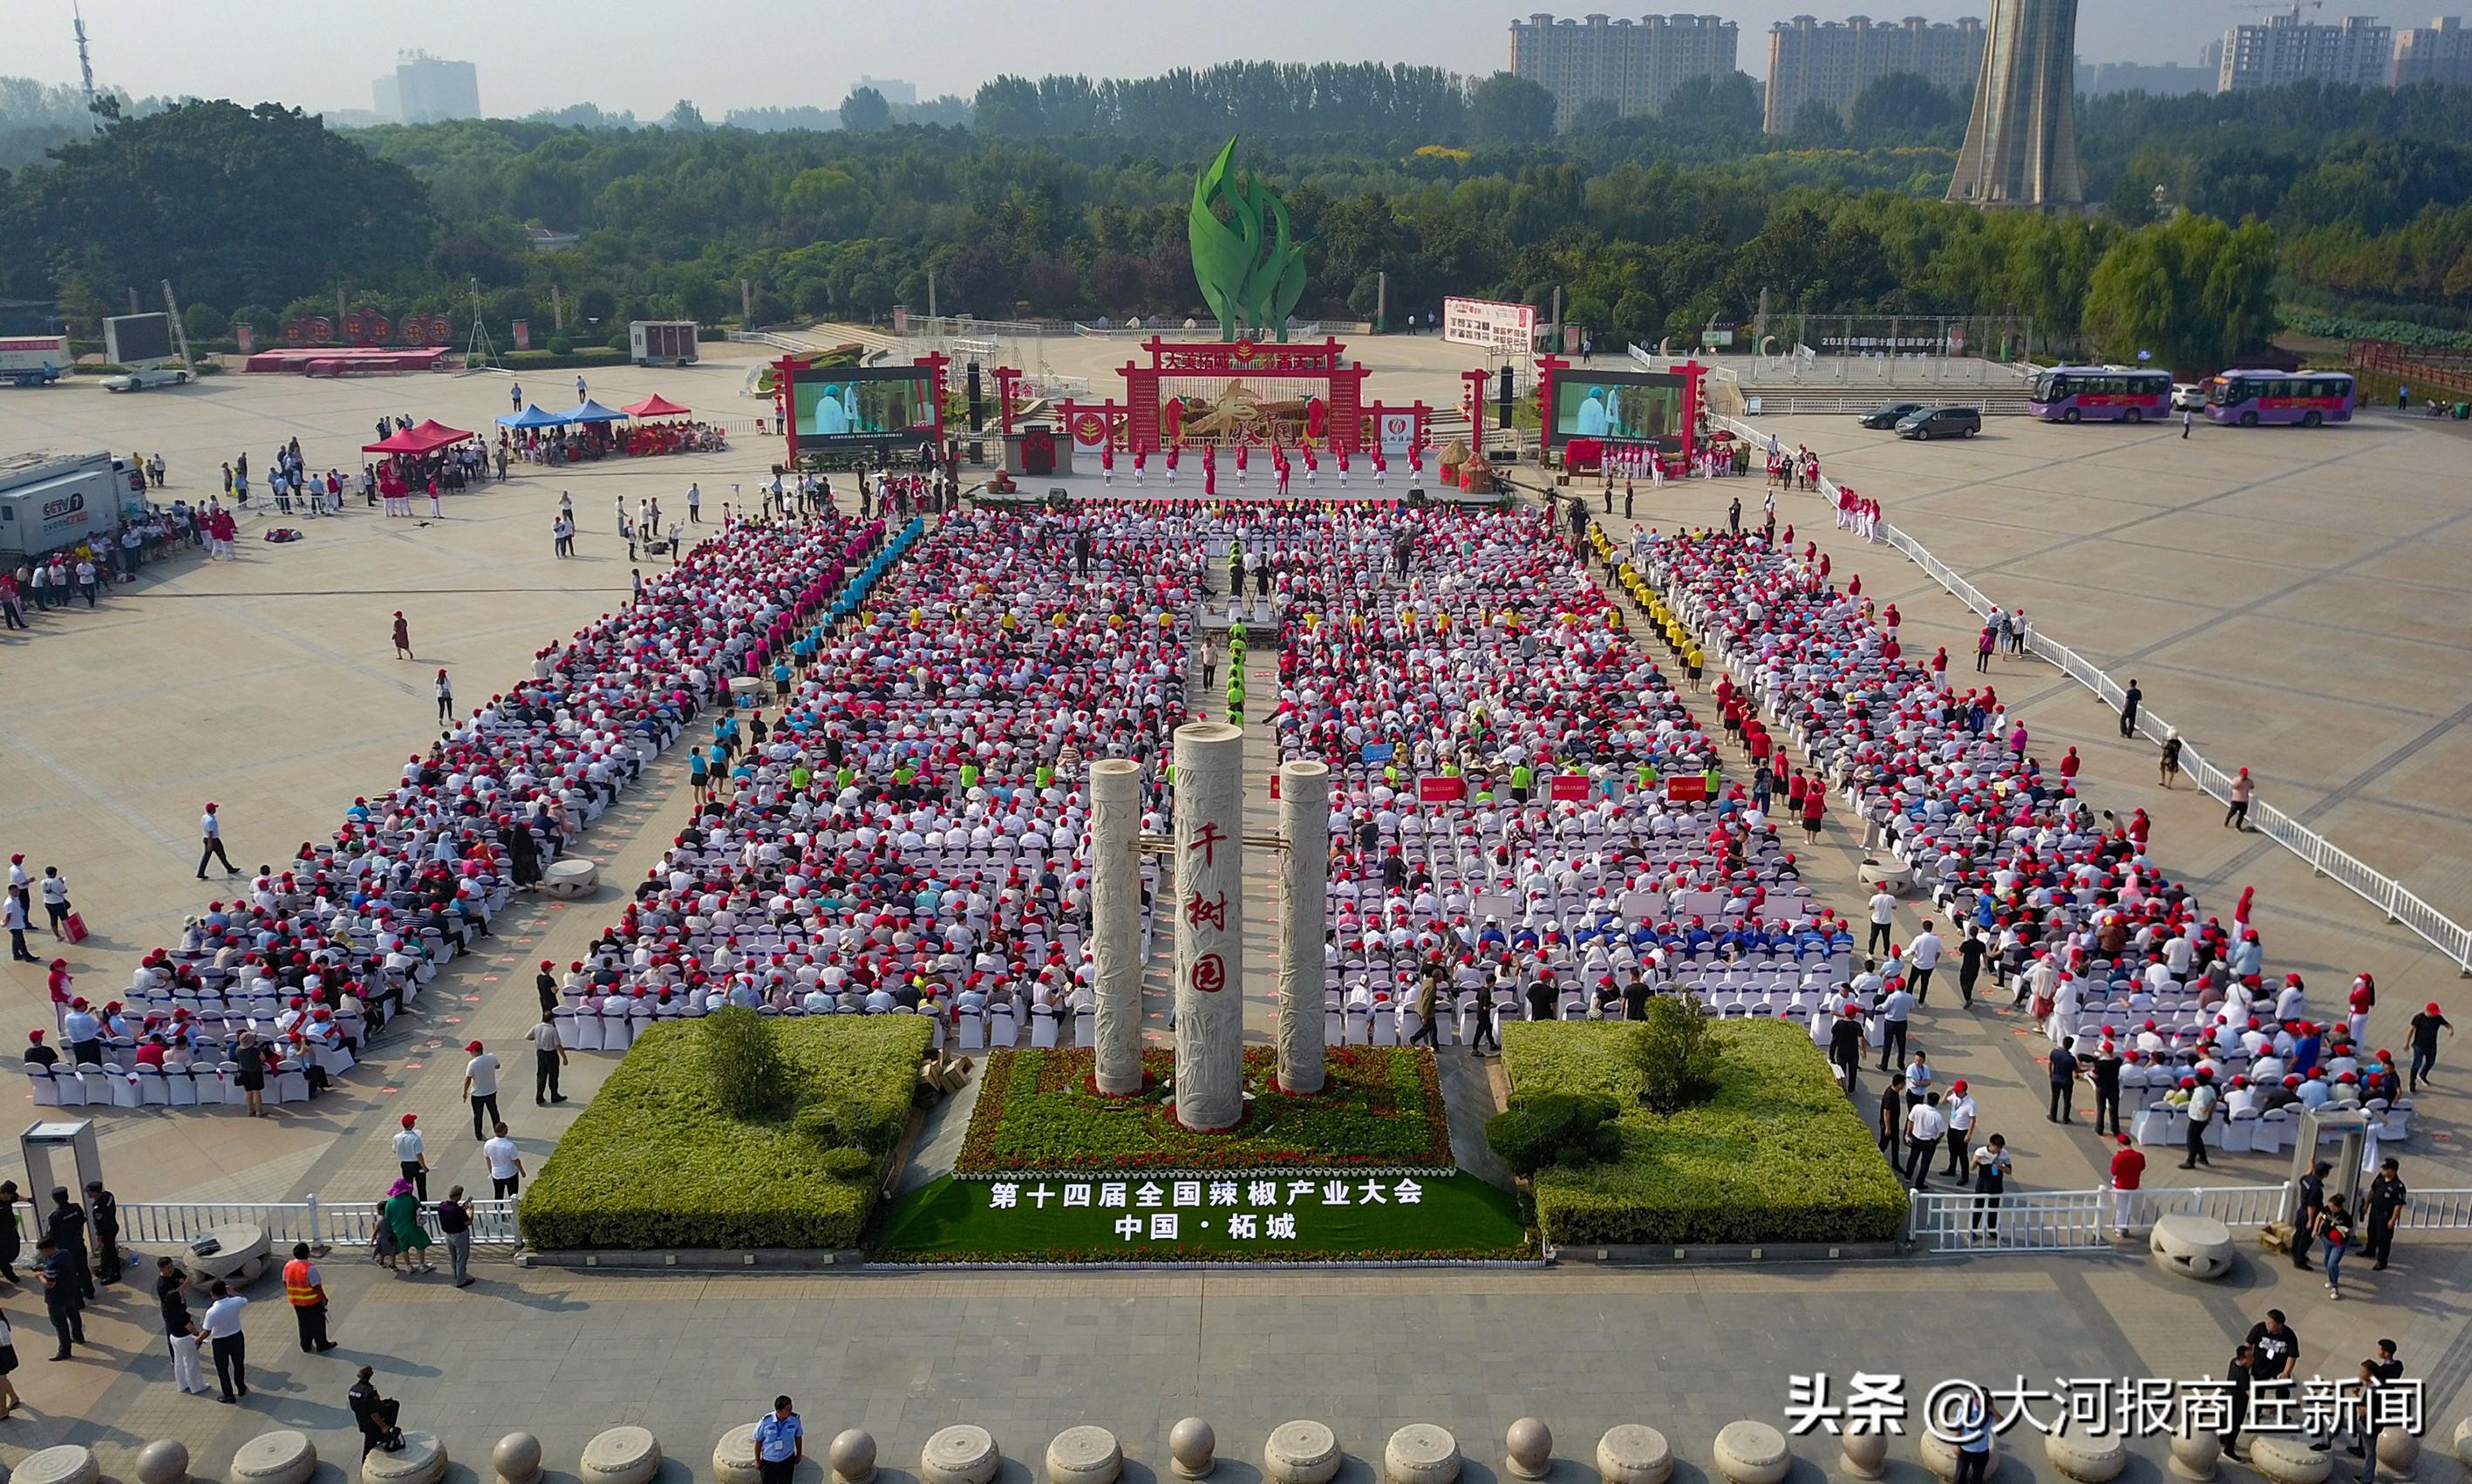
point(949, 1220)
point(1381, 1107)
point(1779, 1155)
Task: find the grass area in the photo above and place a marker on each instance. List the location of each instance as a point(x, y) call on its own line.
point(1427, 1216)
point(1779, 1155)
point(1381, 1107)
point(655, 1163)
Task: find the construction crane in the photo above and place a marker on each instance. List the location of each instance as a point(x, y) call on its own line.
point(2278, 9)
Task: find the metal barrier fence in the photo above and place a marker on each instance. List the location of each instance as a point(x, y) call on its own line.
point(321, 1224)
point(2083, 1220)
point(2388, 895)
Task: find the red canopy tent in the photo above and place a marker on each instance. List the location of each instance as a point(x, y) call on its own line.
point(655, 406)
point(427, 438)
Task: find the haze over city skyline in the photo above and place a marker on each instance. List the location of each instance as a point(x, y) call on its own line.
point(643, 56)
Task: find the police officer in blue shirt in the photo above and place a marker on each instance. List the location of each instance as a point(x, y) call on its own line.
point(780, 1441)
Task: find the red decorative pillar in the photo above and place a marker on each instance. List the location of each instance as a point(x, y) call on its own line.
point(1546, 366)
point(784, 406)
point(1006, 379)
point(1692, 374)
point(1476, 380)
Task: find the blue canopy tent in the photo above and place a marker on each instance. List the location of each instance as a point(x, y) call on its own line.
point(594, 411)
point(532, 416)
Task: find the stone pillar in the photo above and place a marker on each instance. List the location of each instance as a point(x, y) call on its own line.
point(1304, 876)
point(1116, 921)
point(1209, 907)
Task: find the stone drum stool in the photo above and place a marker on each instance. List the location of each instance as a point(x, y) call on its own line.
point(422, 1460)
point(960, 1454)
point(2193, 1246)
point(1630, 1453)
point(1421, 1454)
point(733, 1458)
point(1749, 1453)
point(284, 1457)
point(1085, 1456)
point(1301, 1452)
point(570, 878)
point(2087, 1457)
point(71, 1464)
point(621, 1455)
point(2288, 1460)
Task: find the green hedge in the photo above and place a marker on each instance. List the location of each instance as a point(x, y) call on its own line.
point(2347, 327)
point(585, 358)
point(1038, 1109)
point(654, 1164)
point(1778, 1156)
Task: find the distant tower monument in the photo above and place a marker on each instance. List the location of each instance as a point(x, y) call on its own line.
point(2021, 145)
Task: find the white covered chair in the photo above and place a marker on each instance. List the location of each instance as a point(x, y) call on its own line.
point(1003, 1030)
point(150, 1091)
point(2240, 1132)
point(1042, 1028)
point(183, 1086)
point(1359, 1026)
point(2274, 1132)
point(585, 1024)
point(971, 1028)
point(45, 1087)
point(291, 1084)
point(124, 1087)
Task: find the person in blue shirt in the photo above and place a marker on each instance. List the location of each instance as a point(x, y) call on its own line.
point(780, 1441)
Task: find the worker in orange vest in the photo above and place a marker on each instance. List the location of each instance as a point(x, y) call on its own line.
point(307, 1293)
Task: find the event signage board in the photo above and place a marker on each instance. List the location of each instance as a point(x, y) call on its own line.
point(1268, 1209)
point(1684, 787)
point(1441, 791)
point(1496, 325)
point(849, 406)
point(1380, 752)
point(1572, 788)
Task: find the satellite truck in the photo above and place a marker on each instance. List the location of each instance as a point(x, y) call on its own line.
point(34, 359)
point(49, 501)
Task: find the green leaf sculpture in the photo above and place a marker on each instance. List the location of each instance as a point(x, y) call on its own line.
point(1252, 290)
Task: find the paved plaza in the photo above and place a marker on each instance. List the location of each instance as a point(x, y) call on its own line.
point(2296, 600)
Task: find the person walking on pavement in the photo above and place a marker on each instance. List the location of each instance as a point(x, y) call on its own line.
point(549, 1055)
point(223, 1338)
point(1991, 1164)
point(412, 1156)
point(403, 638)
point(1922, 956)
point(210, 832)
point(306, 1292)
point(2388, 1199)
point(506, 1166)
point(445, 688)
point(780, 1441)
point(2063, 1063)
point(1892, 1113)
point(2425, 1028)
point(1482, 1030)
point(481, 1088)
point(2129, 708)
point(180, 1332)
point(2103, 1071)
point(455, 1224)
point(2312, 1200)
point(1894, 1011)
point(103, 1213)
point(1845, 1046)
point(1883, 914)
point(66, 1225)
point(64, 1304)
point(1961, 1112)
point(402, 1214)
point(11, 1244)
point(1425, 1027)
point(2127, 1173)
point(2203, 1100)
point(2333, 1238)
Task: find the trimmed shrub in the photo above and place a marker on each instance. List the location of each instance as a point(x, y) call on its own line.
point(1776, 1155)
point(1678, 1061)
point(561, 345)
point(1554, 1128)
point(655, 1163)
point(741, 1063)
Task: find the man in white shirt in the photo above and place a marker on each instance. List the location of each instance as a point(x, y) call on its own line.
point(1883, 914)
point(549, 1055)
point(222, 1324)
point(210, 832)
point(506, 1164)
point(410, 1153)
point(1925, 1124)
point(1960, 1111)
point(1894, 1011)
point(1923, 955)
point(481, 1085)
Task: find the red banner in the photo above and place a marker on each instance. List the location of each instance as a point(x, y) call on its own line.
point(1573, 786)
point(1683, 788)
point(1441, 791)
point(523, 334)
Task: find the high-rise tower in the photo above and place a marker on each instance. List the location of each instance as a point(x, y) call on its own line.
point(2021, 145)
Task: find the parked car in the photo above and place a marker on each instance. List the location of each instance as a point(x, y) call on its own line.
point(2188, 396)
point(145, 376)
point(1941, 422)
point(1890, 415)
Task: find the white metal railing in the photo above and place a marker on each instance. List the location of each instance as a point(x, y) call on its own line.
point(2388, 896)
point(2081, 1221)
point(321, 1224)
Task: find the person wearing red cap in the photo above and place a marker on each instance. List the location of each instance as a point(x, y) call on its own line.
point(412, 1155)
point(2425, 1028)
point(481, 1089)
point(1960, 1110)
point(2128, 1172)
point(210, 831)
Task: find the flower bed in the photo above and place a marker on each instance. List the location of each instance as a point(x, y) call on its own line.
point(1778, 1156)
point(1381, 1108)
point(654, 1164)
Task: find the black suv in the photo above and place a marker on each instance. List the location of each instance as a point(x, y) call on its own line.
point(1940, 422)
point(1890, 415)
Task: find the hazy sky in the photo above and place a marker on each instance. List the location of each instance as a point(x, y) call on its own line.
point(645, 54)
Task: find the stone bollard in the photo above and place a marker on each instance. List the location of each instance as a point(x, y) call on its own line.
point(1864, 1454)
point(1421, 1454)
point(2288, 1460)
point(517, 1459)
point(1939, 1456)
point(1528, 1450)
point(852, 1457)
point(422, 1460)
point(620, 1455)
point(1301, 1452)
point(283, 1457)
point(960, 1454)
point(1192, 1449)
point(2195, 1456)
point(2398, 1452)
point(733, 1458)
point(1632, 1453)
point(1085, 1456)
point(66, 1464)
point(2087, 1457)
point(163, 1461)
point(1749, 1453)
point(2463, 1441)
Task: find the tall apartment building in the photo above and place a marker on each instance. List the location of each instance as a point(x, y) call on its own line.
point(1634, 65)
point(1832, 62)
point(425, 89)
point(2286, 49)
point(2440, 52)
point(2021, 140)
